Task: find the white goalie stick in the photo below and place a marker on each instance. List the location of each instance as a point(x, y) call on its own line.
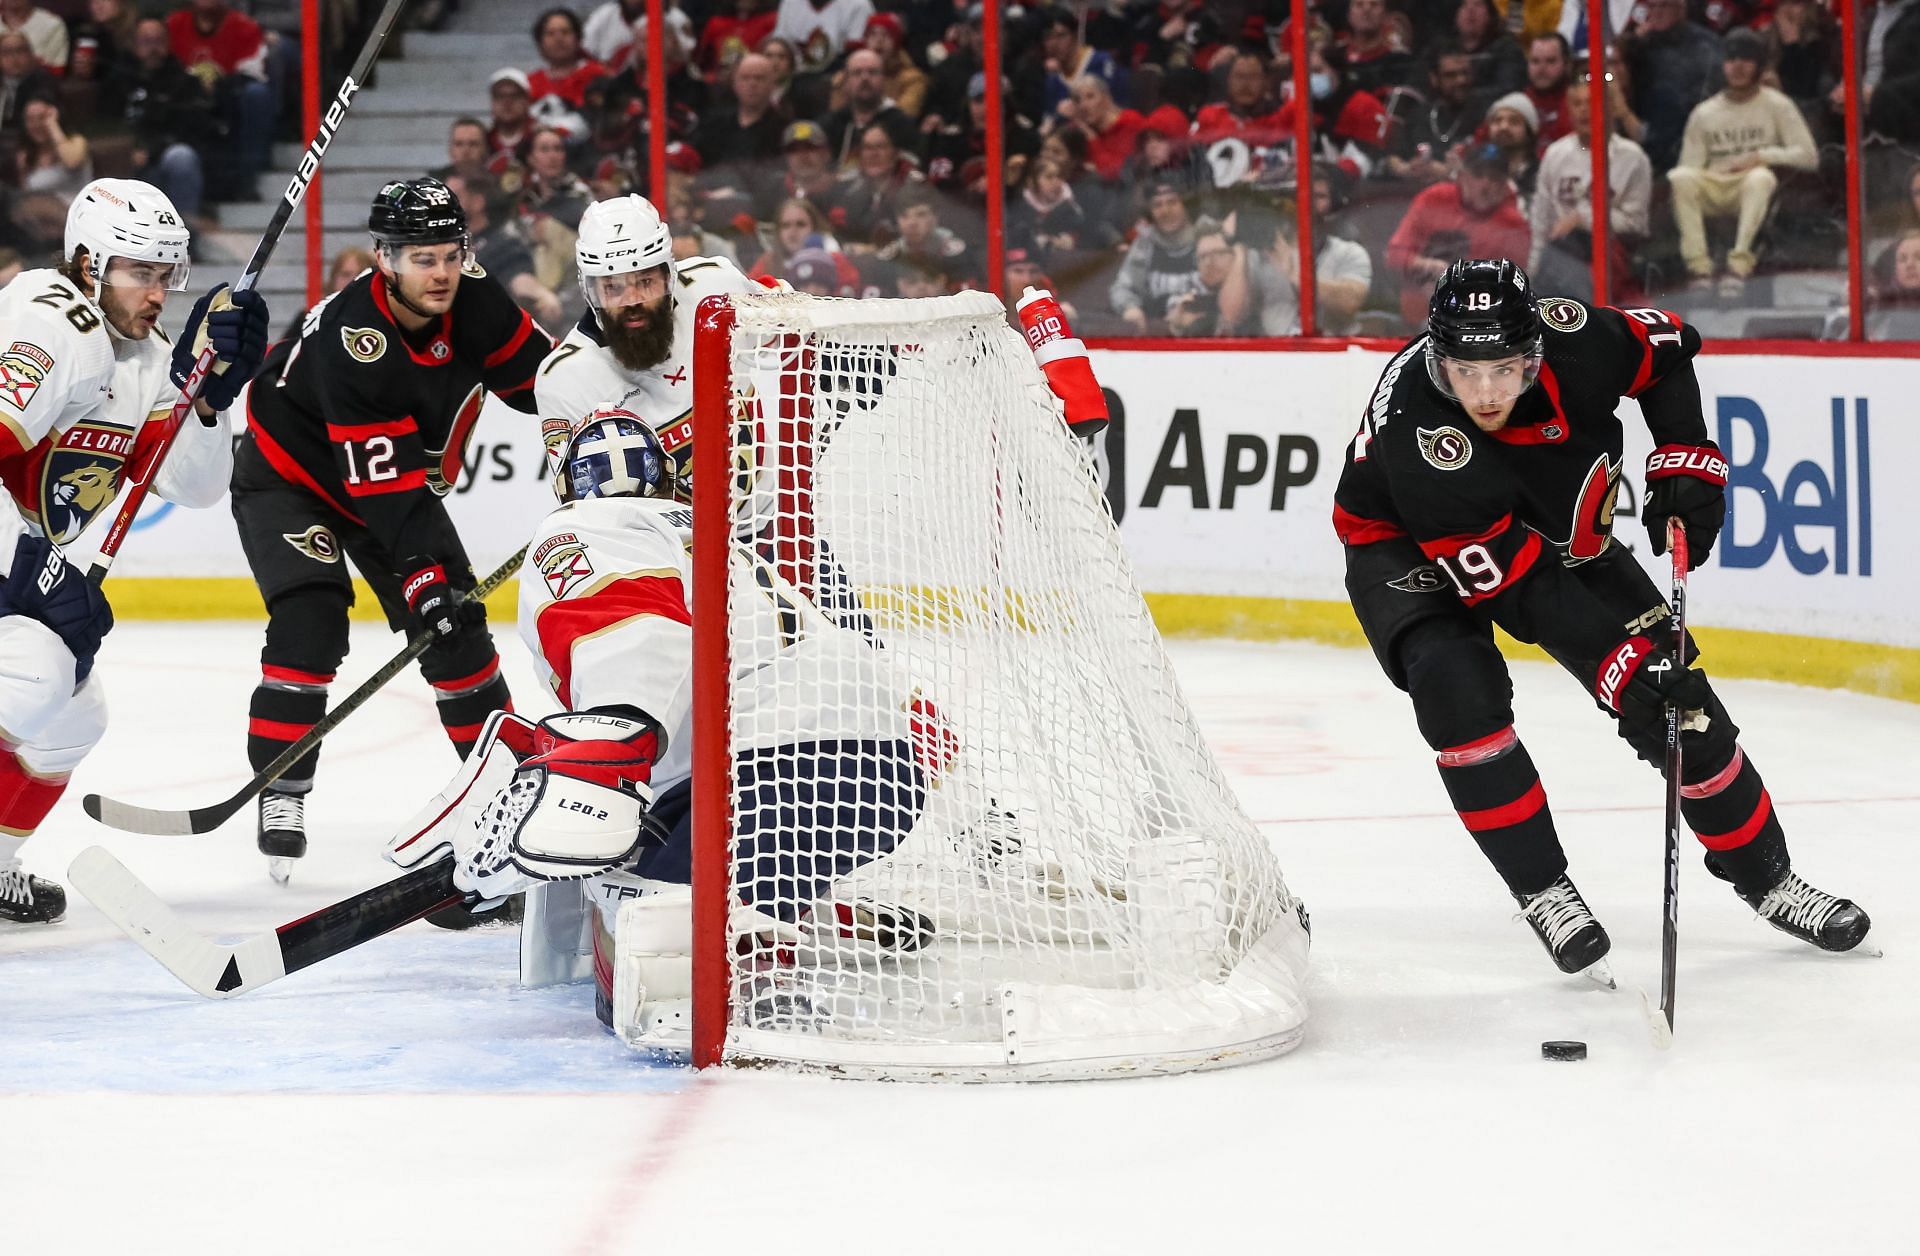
point(222, 970)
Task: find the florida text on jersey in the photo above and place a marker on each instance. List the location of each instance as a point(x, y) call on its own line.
point(362, 413)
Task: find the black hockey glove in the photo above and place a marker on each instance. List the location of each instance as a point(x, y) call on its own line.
point(432, 601)
point(236, 326)
point(1689, 481)
point(1638, 679)
point(43, 585)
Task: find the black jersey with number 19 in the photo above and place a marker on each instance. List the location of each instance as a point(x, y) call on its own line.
point(1495, 511)
point(373, 419)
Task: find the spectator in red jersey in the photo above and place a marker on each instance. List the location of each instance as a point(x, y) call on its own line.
point(511, 98)
point(45, 33)
point(568, 69)
point(867, 105)
point(1246, 120)
point(1499, 66)
point(727, 37)
point(1474, 215)
point(1351, 127)
point(228, 52)
point(904, 83)
point(1377, 56)
point(1549, 63)
point(1110, 130)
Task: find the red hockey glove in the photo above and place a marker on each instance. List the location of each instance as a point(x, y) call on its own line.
point(1064, 359)
point(434, 604)
point(1689, 481)
point(1637, 680)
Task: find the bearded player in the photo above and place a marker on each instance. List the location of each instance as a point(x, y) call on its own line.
point(1479, 491)
point(634, 344)
point(357, 429)
point(87, 380)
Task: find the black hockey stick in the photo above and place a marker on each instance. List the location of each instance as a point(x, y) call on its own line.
point(140, 478)
point(1670, 897)
point(131, 819)
point(221, 970)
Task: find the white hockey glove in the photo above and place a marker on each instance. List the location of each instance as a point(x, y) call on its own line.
point(558, 801)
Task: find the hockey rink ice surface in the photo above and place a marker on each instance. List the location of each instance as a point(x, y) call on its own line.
point(408, 1097)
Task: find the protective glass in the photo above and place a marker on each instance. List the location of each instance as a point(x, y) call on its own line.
point(130, 272)
point(630, 287)
point(1475, 382)
point(425, 259)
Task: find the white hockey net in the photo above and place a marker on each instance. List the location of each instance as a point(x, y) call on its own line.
point(976, 831)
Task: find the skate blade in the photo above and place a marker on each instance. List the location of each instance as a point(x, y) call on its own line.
point(1598, 973)
point(280, 868)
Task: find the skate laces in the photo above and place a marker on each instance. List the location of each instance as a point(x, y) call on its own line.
point(15, 885)
point(1798, 903)
point(1558, 913)
point(283, 811)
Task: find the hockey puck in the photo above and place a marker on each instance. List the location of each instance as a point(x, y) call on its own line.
point(1563, 1050)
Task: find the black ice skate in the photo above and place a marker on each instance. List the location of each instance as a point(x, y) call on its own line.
point(1793, 906)
point(1564, 925)
point(283, 832)
point(29, 900)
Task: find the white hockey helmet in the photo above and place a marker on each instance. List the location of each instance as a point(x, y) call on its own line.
point(127, 218)
point(617, 237)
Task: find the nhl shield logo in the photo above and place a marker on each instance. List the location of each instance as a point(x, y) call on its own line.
point(317, 543)
point(81, 477)
point(1562, 314)
point(1447, 448)
point(366, 344)
point(440, 351)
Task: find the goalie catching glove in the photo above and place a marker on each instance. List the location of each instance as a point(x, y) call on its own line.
point(561, 800)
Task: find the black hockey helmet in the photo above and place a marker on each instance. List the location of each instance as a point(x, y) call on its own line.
point(417, 211)
point(1483, 309)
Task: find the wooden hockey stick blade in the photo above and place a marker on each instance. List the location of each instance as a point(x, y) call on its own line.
point(221, 971)
point(158, 822)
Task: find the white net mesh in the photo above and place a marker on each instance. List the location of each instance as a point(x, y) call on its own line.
point(977, 833)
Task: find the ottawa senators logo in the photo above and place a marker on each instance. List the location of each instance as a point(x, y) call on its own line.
point(366, 344)
point(1425, 578)
point(1562, 314)
point(81, 477)
point(563, 564)
point(1447, 448)
point(316, 543)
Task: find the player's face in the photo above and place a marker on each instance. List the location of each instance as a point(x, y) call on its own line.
point(427, 275)
point(135, 293)
point(636, 315)
point(1487, 391)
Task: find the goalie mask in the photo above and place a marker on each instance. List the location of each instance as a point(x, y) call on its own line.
point(614, 453)
point(133, 221)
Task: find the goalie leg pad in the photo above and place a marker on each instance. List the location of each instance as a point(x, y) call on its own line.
point(653, 970)
point(505, 740)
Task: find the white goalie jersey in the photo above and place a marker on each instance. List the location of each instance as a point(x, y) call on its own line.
point(605, 608)
point(581, 374)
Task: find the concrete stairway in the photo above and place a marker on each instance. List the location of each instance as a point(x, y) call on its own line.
point(396, 129)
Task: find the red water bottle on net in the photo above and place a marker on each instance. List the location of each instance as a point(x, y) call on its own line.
point(1063, 357)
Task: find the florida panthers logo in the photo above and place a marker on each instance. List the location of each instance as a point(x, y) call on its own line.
point(81, 478)
point(563, 564)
